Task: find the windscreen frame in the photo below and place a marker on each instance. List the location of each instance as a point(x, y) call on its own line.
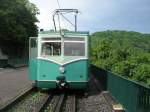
point(63, 40)
point(76, 40)
point(50, 40)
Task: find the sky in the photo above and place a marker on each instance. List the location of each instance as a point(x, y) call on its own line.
point(98, 15)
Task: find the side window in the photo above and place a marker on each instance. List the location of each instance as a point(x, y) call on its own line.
point(33, 47)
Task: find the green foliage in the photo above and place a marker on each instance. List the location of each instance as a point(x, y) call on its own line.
point(142, 73)
point(17, 23)
point(124, 53)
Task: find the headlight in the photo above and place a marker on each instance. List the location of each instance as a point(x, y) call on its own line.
point(62, 69)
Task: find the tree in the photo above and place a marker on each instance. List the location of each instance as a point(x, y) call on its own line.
point(17, 24)
point(121, 52)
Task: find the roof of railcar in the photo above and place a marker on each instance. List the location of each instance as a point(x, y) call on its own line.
point(68, 33)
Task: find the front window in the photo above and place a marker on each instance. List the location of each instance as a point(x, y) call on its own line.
point(51, 47)
point(74, 46)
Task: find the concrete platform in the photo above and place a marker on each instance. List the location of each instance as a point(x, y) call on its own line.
point(11, 82)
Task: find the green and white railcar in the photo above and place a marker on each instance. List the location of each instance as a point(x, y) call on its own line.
point(59, 60)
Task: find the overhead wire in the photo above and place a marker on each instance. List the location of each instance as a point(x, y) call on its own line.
point(58, 4)
point(59, 23)
point(62, 14)
point(67, 19)
point(59, 17)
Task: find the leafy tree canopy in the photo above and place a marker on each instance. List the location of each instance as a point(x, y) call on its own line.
point(122, 52)
point(17, 24)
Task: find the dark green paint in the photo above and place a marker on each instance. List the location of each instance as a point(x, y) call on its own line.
point(53, 85)
point(46, 84)
point(134, 96)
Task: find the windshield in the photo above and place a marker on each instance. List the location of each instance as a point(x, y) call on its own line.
point(72, 46)
point(51, 47)
point(74, 49)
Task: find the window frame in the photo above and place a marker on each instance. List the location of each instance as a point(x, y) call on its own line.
point(62, 41)
point(51, 41)
point(70, 41)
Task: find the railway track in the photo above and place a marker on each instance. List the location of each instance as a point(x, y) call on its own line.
point(34, 100)
point(61, 103)
point(70, 103)
point(30, 100)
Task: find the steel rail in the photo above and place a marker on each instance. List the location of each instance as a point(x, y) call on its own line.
point(43, 103)
point(69, 103)
point(57, 107)
point(74, 103)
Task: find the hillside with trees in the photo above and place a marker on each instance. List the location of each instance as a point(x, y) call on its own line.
point(122, 52)
point(17, 23)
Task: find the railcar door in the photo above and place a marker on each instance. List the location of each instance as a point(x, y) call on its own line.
point(33, 52)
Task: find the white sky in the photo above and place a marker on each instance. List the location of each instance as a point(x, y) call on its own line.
point(97, 15)
point(48, 6)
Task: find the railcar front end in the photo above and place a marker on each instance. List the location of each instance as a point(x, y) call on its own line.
point(59, 61)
